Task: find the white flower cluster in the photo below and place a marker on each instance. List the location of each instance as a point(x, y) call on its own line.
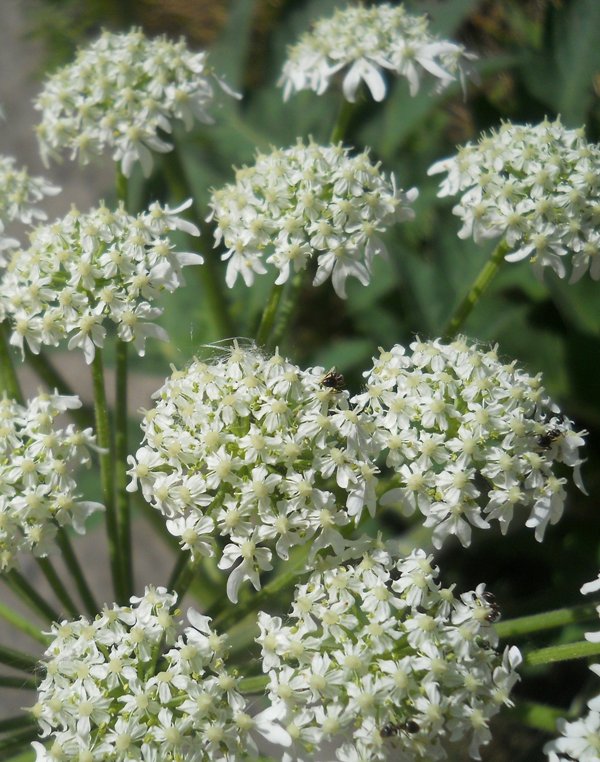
point(18, 198)
point(536, 187)
point(37, 491)
point(257, 451)
point(113, 691)
point(580, 740)
point(470, 439)
point(380, 662)
point(123, 92)
point(307, 202)
point(86, 269)
point(361, 43)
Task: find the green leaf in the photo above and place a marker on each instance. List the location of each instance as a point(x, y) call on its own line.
point(561, 74)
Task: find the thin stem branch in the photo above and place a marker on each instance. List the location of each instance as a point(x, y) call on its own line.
point(57, 585)
point(480, 284)
point(566, 652)
point(107, 477)
point(182, 575)
point(20, 721)
point(19, 622)
point(9, 383)
point(10, 745)
point(20, 683)
point(548, 620)
point(73, 565)
point(19, 585)
point(122, 496)
point(343, 120)
point(287, 309)
point(10, 657)
point(268, 317)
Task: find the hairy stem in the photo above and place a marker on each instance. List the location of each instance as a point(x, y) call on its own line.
point(20, 587)
point(566, 652)
point(122, 496)
point(74, 567)
point(480, 284)
point(512, 628)
point(9, 383)
point(107, 476)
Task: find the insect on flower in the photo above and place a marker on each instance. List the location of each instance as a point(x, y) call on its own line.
point(333, 380)
point(494, 610)
point(393, 729)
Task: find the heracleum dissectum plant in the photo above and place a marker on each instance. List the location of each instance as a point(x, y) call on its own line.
point(307, 202)
point(349, 648)
point(259, 452)
point(469, 439)
point(124, 92)
point(127, 686)
point(20, 198)
point(361, 44)
point(537, 188)
point(89, 270)
point(378, 661)
point(38, 491)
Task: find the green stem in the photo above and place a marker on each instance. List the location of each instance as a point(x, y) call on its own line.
point(20, 721)
point(20, 623)
point(19, 585)
point(57, 585)
point(20, 683)
point(268, 317)
point(548, 620)
point(257, 684)
point(210, 278)
point(73, 565)
point(287, 310)
point(45, 370)
point(122, 187)
point(10, 657)
point(537, 716)
point(566, 652)
point(480, 284)
point(107, 477)
point(343, 120)
point(123, 501)
point(182, 575)
point(9, 383)
point(10, 745)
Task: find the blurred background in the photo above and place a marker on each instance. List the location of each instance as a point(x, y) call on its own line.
point(537, 58)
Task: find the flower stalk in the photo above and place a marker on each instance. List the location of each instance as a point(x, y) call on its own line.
point(19, 585)
point(107, 476)
point(74, 567)
point(549, 620)
point(123, 504)
point(567, 652)
point(480, 284)
point(9, 383)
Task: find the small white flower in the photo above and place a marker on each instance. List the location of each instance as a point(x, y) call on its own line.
point(19, 197)
point(535, 187)
point(86, 271)
point(302, 203)
point(377, 681)
point(458, 418)
point(124, 92)
point(104, 693)
point(277, 458)
point(38, 493)
point(361, 44)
